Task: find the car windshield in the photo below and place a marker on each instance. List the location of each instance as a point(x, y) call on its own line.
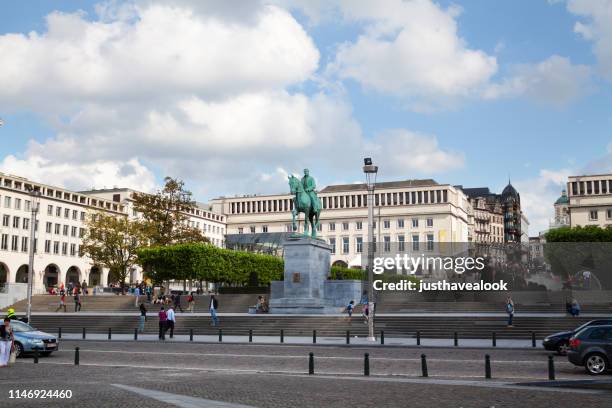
point(592, 323)
point(21, 326)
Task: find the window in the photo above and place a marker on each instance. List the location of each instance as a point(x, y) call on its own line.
point(319, 227)
point(67, 213)
point(26, 223)
point(288, 227)
point(400, 223)
point(27, 205)
point(332, 242)
point(430, 242)
point(14, 242)
point(401, 244)
point(57, 228)
point(7, 202)
point(345, 245)
point(332, 226)
point(16, 221)
point(58, 211)
point(65, 230)
point(345, 226)
point(593, 215)
point(359, 245)
point(75, 214)
point(47, 246)
point(386, 224)
point(18, 203)
point(430, 222)
point(609, 213)
point(83, 215)
point(6, 219)
point(252, 229)
point(415, 223)
point(387, 243)
point(264, 228)
point(49, 210)
point(4, 244)
point(240, 230)
point(72, 249)
point(64, 248)
point(373, 224)
point(81, 232)
point(359, 225)
point(73, 231)
point(56, 247)
point(415, 242)
point(24, 244)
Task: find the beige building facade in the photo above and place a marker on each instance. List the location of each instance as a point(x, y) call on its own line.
point(590, 200)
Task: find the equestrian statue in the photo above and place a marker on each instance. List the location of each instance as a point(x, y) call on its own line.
point(305, 201)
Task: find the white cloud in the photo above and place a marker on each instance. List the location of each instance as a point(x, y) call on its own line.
point(597, 27)
point(554, 81)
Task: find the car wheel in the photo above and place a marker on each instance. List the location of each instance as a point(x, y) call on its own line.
point(18, 349)
point(562, 348)
point(595, 364)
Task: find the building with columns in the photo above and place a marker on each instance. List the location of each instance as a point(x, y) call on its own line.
point(590, 200)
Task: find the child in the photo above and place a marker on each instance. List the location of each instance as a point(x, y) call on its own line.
point(349, 310)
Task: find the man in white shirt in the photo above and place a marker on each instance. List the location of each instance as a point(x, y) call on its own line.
point(212, 306)
point(171, 320)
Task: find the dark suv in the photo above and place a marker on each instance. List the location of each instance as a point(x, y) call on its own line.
point(559, 342)
point(592, 348)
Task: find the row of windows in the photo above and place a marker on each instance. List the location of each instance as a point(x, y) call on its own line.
point(66, 212)
point(416, 245)
point(19, 243)
point(594, 214)
point(215, 229)
point(344, 201)
point(591, 187)
point(18, 222)
point(17, 203)
point(331, 226)
point(58, 229)
point(15, 241)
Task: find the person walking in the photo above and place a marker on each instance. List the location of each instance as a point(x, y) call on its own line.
point(149, 294)
point(510, 311)
point(171, 317)
point(84, 287)
point(143, 318)
point(349, 310)
point(136, 295)
point(163, 318)
point(11, 314)
point(575, 308)
point(62, 301)
point(191, 302)
point(213, 306)
point(6, 342)
point(177, 303)
point(77, 301)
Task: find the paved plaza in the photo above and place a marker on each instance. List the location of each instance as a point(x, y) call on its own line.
point(152, 374)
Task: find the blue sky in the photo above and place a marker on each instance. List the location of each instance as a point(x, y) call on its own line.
point(232, 96)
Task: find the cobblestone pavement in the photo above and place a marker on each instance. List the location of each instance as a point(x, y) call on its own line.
point(276, 376)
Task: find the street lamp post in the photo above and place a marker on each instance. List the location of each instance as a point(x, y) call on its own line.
point(35, 198)
point(370, 171)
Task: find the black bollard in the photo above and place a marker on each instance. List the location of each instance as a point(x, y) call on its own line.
point(382, 337)
point(551, 368)
point(456, 339)
point(418, 338)
point(311, 363)
point(487, 366)
point(250, 335)
point(190, 334)
point(314, 336)
point(110, 335)
point(59, 333)
point(348, 337)
point(135, 334)
point(282, 336)
point(220, 335)
point(533, 340)
point(83, 333)
point(366, 364)
point(424, 366)
point(76, 356)
point(494, 340)
point(35, 355)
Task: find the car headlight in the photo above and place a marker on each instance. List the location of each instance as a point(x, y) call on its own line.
point(546, 338)
point(36, 342)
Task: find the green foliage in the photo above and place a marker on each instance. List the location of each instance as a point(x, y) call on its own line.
point(590, 233)
point(339, 272)
point(200, 261)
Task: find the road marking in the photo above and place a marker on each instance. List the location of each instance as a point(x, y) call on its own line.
point(179, 400)
point(303, 356)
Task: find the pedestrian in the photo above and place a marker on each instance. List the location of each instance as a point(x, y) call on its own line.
point(11, 314)
point(586, 276)
point(171, 319)
point(575, 309)
point(143, 318)
point(77, 301)
point(136, 295)
point(62, 301)
point(365, 312)
point(84, 287)
point(6, 342)
point(191, 302)
point(213, 307)
point(177, 303)
point(163, 318)
point(349, 310)
point(510, 310)
point(148, 290)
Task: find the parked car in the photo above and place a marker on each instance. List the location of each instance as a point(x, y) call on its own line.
point(559, 342)
point(592, 348)
point(27, 339)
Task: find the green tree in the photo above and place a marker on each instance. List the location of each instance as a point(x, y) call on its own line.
point(112, 241)
point(165, 214)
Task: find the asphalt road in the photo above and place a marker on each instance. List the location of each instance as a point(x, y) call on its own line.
point(276, 376)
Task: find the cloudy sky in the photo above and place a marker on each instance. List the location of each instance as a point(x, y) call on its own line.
point(233, 95)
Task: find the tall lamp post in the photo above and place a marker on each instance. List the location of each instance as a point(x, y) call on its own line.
point(35, 199)
point(370, 171)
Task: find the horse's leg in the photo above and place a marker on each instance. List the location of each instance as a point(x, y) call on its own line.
point(316, 222)
point(306, 216)
point(293, 220)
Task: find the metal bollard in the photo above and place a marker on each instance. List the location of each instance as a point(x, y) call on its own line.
point(348, 337)
point(424, 366)
point(59, 333)
point(311, 363)
point(220, 335)
point(110, 335)
point(250, 335)
point(314, 336)
point(487, 366)
point(190, 334)
point(494, 340)
point(76, 356)
point(382, 337)
point(418, 338)
point(282, 336)
point(456, 339)
point(83, 333)
point(551, 368)
point(35, 355)
point(366, 364)
point(135, 334)
point(533, 339)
